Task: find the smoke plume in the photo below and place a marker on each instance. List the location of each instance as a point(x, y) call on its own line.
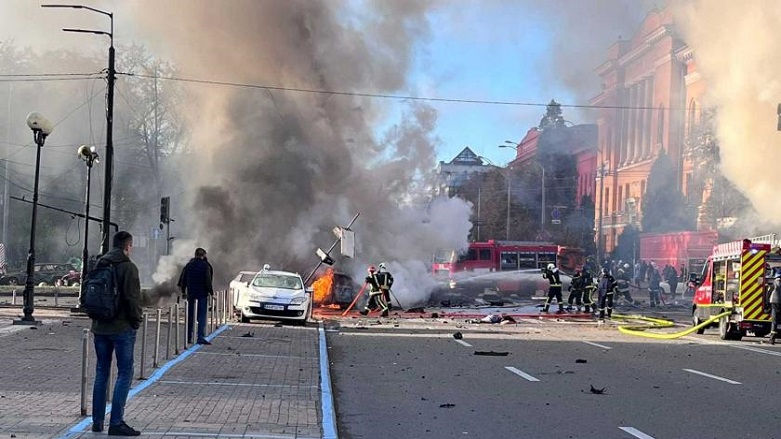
point(738, 52)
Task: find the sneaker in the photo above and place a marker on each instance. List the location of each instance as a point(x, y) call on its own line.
point(363, 312)
point(97, 428)
point(122, 430)
point(204, 341)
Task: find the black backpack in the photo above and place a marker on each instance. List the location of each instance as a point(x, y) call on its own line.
point(101, 293)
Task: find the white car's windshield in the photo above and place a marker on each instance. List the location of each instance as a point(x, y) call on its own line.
point(277, 281)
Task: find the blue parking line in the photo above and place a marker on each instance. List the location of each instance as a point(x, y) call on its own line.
point(326, 395)
point(81, 427)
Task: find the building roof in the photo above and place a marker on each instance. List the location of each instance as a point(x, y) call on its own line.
point(467, 157)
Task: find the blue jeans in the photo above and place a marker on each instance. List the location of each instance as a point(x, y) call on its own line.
point(105, 346)
point(203, 304)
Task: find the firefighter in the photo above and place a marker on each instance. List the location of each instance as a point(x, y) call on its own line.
point(376, 295)
point(654, 287)
point(623, 279)
point(775, 307)
point(576, 291)
point(551, 272)
point(385, 280)
point(605, 289)
point(588, 290)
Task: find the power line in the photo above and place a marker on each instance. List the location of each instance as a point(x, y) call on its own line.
point(388, 96)
point(46, 75)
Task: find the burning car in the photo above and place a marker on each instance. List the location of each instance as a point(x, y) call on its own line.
point(276, 295)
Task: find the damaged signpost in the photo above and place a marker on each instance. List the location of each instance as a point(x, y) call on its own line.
point(346, 237)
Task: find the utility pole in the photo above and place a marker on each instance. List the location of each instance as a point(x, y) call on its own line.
point(104, 245)
point(601, 212)
point(5, 168)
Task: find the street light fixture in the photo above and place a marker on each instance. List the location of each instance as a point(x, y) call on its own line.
point(90, 157)
point(104, 245)
point(41, 127)
point(515, 146)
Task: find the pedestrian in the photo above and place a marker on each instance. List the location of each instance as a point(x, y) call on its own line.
point(576, 291)
point(672, 280)
point(376, 294)
point(605, 289)
point(636, 274)
point(385, 281)
point(195, 281)
point(654, 286)
point(117, 337)
point(775, 307)
point(551, 272)
point(643, 271)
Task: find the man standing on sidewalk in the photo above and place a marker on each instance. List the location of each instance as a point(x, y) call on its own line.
point(117, 335)
point(196, 284)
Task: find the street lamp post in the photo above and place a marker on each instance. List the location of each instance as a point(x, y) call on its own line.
point(90, 157)
point(511, 144)
point(104, 244)
point(41, 129)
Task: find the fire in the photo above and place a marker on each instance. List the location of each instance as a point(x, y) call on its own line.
point(322, 287)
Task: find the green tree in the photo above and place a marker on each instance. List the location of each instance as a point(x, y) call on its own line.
point(664, 208)
point(552, 117)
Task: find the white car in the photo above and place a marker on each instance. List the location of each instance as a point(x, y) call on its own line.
point(240, 284)
point(276, 295)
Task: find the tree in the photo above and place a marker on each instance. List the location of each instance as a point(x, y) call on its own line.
point(664, 208)
point(628, 245)
point(552, 117)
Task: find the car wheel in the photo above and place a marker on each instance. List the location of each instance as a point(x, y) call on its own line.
point(244, 319)
point(695, 322)
point(13, 281)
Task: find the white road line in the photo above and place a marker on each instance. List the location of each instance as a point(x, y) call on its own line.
point(204, 383)
point(462, 342)
point(697, 372)
point(636, 433)
point(521, 373)
point(758, 350)
point(237, 354)
point(223, 435)
point(597, 345)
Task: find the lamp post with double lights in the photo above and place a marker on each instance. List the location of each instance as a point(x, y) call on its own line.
point(90, 156)
point(515, 146)
point(41, 129)
point(104, 244)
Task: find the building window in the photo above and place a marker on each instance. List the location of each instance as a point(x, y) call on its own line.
point(660, 127)
point(619, 198)
point(607, 200)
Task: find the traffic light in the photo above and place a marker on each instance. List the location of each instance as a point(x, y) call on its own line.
point(165, 210)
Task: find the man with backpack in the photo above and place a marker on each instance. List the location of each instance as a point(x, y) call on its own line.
point(112, 298)
point(196, 285)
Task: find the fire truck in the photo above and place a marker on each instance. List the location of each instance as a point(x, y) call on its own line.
point(495, 255)
point(734, 280)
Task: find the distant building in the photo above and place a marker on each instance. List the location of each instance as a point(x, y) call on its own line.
point(455, 173)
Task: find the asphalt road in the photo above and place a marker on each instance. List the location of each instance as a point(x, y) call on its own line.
point(397, 382)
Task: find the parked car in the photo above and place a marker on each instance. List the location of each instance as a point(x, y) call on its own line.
point(72, 279)
point(45, 273)
point(239, 285)
point(276, 295)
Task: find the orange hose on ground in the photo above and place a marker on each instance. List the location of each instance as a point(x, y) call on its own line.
point(354, 300)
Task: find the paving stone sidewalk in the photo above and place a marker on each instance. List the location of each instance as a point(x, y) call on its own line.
point(256, 381)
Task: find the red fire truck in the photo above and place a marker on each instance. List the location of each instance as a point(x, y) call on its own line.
point(496, 256)
point(734, 280)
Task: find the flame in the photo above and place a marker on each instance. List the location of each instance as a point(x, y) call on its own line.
point(322, 287)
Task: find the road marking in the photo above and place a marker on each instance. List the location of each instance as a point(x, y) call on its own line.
point(462, 342)
point(326, 392)
point(711, 376)
point(521, 373)
point(758, 350)
point(597, 345)
point(237, 354)
point(636, 433)
point(223, 435)
point(206, 383)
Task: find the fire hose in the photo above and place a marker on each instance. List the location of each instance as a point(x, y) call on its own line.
point(639, 330)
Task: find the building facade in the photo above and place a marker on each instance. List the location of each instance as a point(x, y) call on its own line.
point(453, 174)
point(650, 97)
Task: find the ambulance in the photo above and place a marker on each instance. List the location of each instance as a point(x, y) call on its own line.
point(734, 280)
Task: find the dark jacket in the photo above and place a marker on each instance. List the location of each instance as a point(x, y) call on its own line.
point(196, 279)
point(553, 277)
point(606, 285)
point(130, 312)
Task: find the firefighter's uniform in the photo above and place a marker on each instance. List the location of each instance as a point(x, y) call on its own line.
point(622, 284)
point(654, 287)
point(551, 272)
point(588, 291)
point(385, 282)
point(605, 289)
point(576, 289)
point(376, 294)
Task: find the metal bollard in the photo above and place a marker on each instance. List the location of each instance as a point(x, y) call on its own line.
point(176, 338)
point(156, 359)
point(84, 366)
point(13, 297)
point(142, 373)
point(186, 322)
point(168, 335)
point(211, 314)
point(218, 299)
point(56, 297)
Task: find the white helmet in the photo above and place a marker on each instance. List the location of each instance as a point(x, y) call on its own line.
point(266, 267)
point(381, 266)
point(551, 267)
point(626, 265)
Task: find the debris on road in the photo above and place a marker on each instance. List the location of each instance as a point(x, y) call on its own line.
point(458, 336)
point(248, 334)
point(418, 310)
point(596, 391)
point(447, 406)
point(581, 360)
point(492, 353)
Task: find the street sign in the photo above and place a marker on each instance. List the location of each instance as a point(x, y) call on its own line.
point(154, 233)
point(348, 243)
point(555, 216)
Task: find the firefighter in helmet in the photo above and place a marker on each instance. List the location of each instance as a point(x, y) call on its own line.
point(605, 288)
point(551, 272)
point(385, 279)
point(623, 281)
point(588, 290)
point(576, 289)
point(376, 296)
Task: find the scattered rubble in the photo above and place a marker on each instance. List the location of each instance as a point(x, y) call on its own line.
point(581, 360)
point(596, 391)
point(447, 406)
point(458, 336)
point(492, 353)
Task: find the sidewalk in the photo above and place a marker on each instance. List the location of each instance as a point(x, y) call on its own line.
point(263, 386)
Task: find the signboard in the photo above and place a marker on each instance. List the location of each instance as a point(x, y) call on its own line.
point(555, 216)
point(348, 243)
